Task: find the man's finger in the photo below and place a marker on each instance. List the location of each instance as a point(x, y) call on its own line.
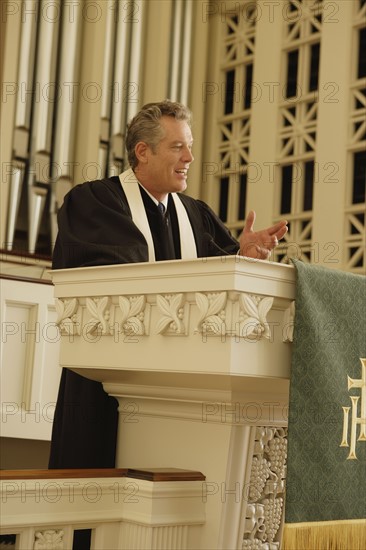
point(249, 222)
point(281, 232)
point(278, 227)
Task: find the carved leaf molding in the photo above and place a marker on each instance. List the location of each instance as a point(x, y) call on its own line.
point(212, 312)
point(66, 315)
point(253, 312)
point(99, 320)
point(171, 306)
point(132, 309)
point(49, 539)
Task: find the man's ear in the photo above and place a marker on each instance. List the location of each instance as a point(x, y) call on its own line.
point(141, 151)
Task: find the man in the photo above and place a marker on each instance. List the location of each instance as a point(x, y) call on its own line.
point(136, 217)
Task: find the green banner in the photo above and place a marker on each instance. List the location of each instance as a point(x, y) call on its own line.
point(326, 477)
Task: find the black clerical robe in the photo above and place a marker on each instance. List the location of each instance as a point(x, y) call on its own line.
point(96, 228)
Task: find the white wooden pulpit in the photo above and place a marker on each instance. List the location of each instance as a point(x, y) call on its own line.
point(198, 355)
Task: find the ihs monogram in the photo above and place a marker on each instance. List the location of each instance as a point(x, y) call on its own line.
point(355, 420)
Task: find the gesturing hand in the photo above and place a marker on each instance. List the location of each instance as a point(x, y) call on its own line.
point(258, 244)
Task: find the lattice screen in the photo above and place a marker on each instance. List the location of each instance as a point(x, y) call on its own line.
point(355, 243)
point(238, 48)
point(302, 169)
point(298, 125)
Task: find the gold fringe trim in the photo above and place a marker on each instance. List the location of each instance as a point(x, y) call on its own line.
point(325, 535)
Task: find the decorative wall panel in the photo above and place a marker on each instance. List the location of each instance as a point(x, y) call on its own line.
point(234, 123)
point(291, 165)
point(355, 212)
point(30, 371)
point(266, 490)
point(298, 113)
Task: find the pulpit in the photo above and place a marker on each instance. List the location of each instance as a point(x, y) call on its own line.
point(198, 355)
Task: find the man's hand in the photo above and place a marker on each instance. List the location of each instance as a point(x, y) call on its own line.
point(258, 244)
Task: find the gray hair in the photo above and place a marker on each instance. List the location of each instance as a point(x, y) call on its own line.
point(146, 127)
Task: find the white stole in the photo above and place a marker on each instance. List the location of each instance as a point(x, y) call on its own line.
point(131, 189)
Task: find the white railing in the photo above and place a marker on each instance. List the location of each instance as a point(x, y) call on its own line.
point(122, 512)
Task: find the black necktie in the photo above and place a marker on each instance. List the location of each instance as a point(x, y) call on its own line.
point(168, 241)
point(161, 208)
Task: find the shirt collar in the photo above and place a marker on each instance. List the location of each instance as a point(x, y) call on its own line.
point(164, 201)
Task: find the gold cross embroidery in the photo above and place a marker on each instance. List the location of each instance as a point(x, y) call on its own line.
point(355, 420)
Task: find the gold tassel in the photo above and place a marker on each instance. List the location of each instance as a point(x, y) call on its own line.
point(325, 535)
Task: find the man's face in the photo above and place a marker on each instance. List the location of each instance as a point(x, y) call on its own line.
point(165, 170)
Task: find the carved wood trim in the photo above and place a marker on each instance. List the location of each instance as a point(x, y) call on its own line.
point(21, 255)
point(26, 279)
point(149, 474)
point(172, 308)
point(165, 474)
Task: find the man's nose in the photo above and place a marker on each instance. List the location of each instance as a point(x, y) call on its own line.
point(187, 155)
